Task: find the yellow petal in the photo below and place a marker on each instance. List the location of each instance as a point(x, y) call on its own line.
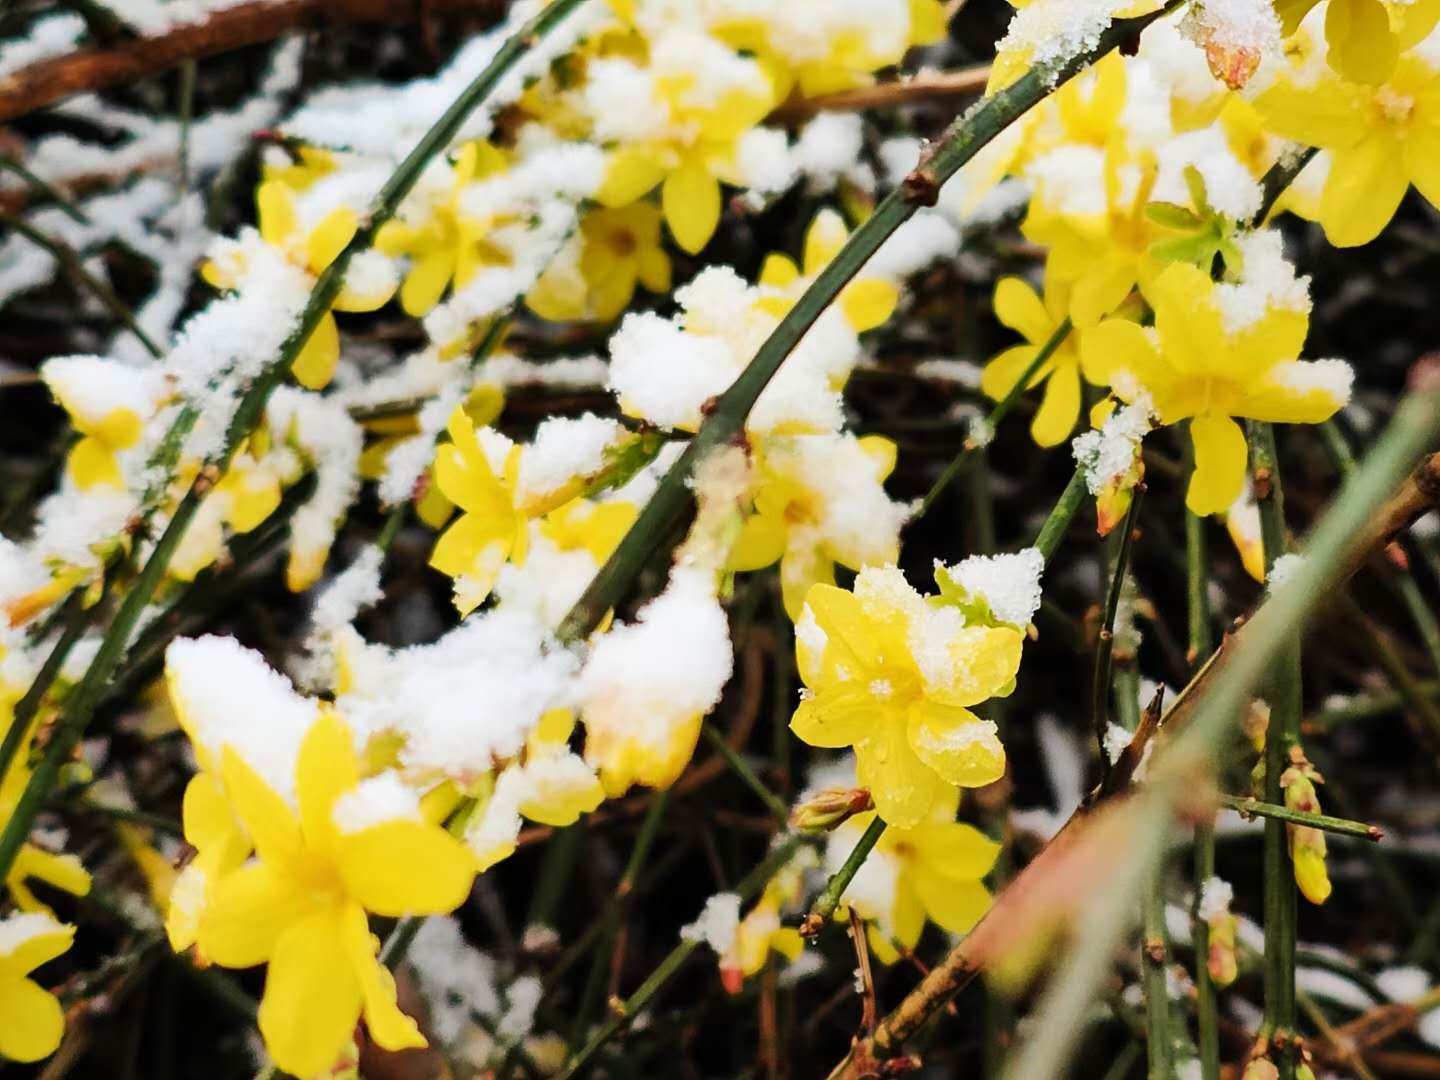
point(1019, 307)
point(249, 911)
point(1329, 113)
point(867, 303)
point(836, 716)
point(953, 850)
point(956, 743)
point(778, 271)
point(275, 206)
point(631, 172)
point(426, 281)
point(955, 906)
point(1100, 291)
point(690, 199)
point(271, 824)
point(1059, 408)
point(388, 1026)
point(1421, 154)
point(1361, 46)
point(406, 868)
point(315, 364)
point(1005, 369)
point(91, 464)
point(1220, 456)
point(34, 1021)
point(38, 949)
point(312, 996)
point(205, 812)
point(326, 768)
point(1363, 191)
point(823, 239)
point(329, 237)
point(760, 543)
point(903, 787)
point(846, 626)
point(469, 545)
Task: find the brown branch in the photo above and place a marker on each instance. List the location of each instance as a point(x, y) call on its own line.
point(927, 86)
point(1092, 843)
point(48, 81)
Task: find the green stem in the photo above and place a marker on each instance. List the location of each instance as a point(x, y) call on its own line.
point(45, 188)
point(1330, 547)
point(1283, 698)
point(76, 618)
point(1247, 806)
point(751, 884)
point(741, 768)
point(994, 417)
point(81, 705)
point(829, 899)
point(73, 265)
point(961, 141)
point(1047, 541)
point(1154, 954)
point(1207, 1021)
point(1100, 684)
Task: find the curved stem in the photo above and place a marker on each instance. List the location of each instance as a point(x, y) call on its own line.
point(829, 898)
point(1100, 685)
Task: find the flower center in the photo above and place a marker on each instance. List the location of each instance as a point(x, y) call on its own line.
point(1395, 108)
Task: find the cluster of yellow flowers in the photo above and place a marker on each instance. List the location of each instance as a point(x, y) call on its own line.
point(407, 772)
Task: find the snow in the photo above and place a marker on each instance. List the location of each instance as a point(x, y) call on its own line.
point(565, 448)
point(16, 930)
point(664, 668)
point(1269, 281)
point(1283, 569)
point(228, 696)
point(1009, 583)
point(1216, 895)
point(375, 800)
point(1108, 455)
point(718, 923)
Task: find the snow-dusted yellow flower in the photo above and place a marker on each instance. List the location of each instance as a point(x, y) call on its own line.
point(1019, 307)
point(559, 785)
point(492, 530)
point(312, 249)
point(819, 501)
point(866, 301)
point(221, 844)
point(618, 248)
point(301, 906)
point(761, 933)
point(1382, 139)
point(245, 496)
point(1102, 255)
point(932, 869)
point(1014, 58)
point(33, 1020)
point(689, 161)
point(109, 404)
point(1196, 367)
point(1365, 37)
point(448, 245)
point(893, 676)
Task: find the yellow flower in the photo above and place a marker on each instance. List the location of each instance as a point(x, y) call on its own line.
point(1201, 371)
point(245, 497)
point(450, 245)
point(559, 785)
point(302, 904)
point(108, 404)
point(792, 519)
point(308, 164)
point(893, 676)
point(492, 530)
point(1018, 307)
point(1365, 37)
point(1383, 138)
point(689, 162)
point(618, 248)
point(34, 1021)
point(312, 250)
point(1012, 61)
point(1307, 845)
point(63, 872)
point(933, 869)
point(867, 301)
point(760, 932)
point(1102, 255)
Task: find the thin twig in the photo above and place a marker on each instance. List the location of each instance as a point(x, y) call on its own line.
point(1249, 807)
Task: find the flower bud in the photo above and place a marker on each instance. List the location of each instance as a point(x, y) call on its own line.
point(1307, 845)
point(828, 809)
